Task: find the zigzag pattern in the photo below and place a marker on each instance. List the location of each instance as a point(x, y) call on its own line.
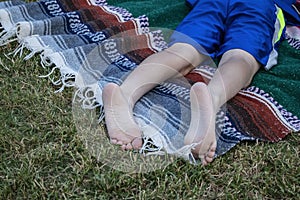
point(294, 42)
point(287, 116)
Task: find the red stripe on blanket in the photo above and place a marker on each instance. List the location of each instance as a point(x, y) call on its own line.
point(194, 77)
point(97, 12)
point(256, 118)
point(137, 48)
point(72, 5)
point(115, 27)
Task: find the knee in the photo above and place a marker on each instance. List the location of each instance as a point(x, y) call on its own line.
point(240, 55)
point(187, 53)
point(243, 59)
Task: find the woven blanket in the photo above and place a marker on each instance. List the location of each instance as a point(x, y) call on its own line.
point(92, 43)
point(293, 36)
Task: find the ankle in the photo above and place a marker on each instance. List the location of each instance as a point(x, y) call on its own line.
point(217, 100)
point(128, 97)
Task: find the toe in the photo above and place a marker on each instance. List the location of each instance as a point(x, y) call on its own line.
point(208, 159)
point(213, 147)
point(210, 154)
point(129, 146)
point(113, 141)
point(203, 148)
point(137, 143)
point(123, 147)
point(202, 158)
point(204, 162)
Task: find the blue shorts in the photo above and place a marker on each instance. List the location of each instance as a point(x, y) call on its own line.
point(216, 26)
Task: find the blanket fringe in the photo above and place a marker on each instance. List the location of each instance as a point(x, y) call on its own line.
point(65, 80)
point(186, 153)
point(49, 74)
point(19, 50)
point(7, 37)
point(87, 98)
point(101, 114)
point(30, 55)
point(150, 148)
point(88, 101)
point(45, 61)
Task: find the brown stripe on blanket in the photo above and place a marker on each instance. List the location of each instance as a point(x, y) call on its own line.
point(256, 118)
point(98, 12)
point(136, 48)
point(122, 29)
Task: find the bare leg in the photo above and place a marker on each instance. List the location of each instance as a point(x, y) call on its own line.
point(235, 72)
point(119, 100)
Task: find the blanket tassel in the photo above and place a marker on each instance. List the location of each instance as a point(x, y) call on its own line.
point(87, 99)
point(7, 37)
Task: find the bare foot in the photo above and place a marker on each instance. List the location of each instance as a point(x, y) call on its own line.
point(202, 126)
point(121, 126)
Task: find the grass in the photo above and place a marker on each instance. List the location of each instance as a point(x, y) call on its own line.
point(43, 154)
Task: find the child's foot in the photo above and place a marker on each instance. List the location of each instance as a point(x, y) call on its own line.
point(202, 126)
point(121, 127)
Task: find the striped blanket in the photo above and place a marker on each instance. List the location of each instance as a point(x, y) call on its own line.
point(293, 35)
point(91, 44)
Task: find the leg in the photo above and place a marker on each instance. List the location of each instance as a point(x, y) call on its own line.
point(235, 72)
point(119, 100)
